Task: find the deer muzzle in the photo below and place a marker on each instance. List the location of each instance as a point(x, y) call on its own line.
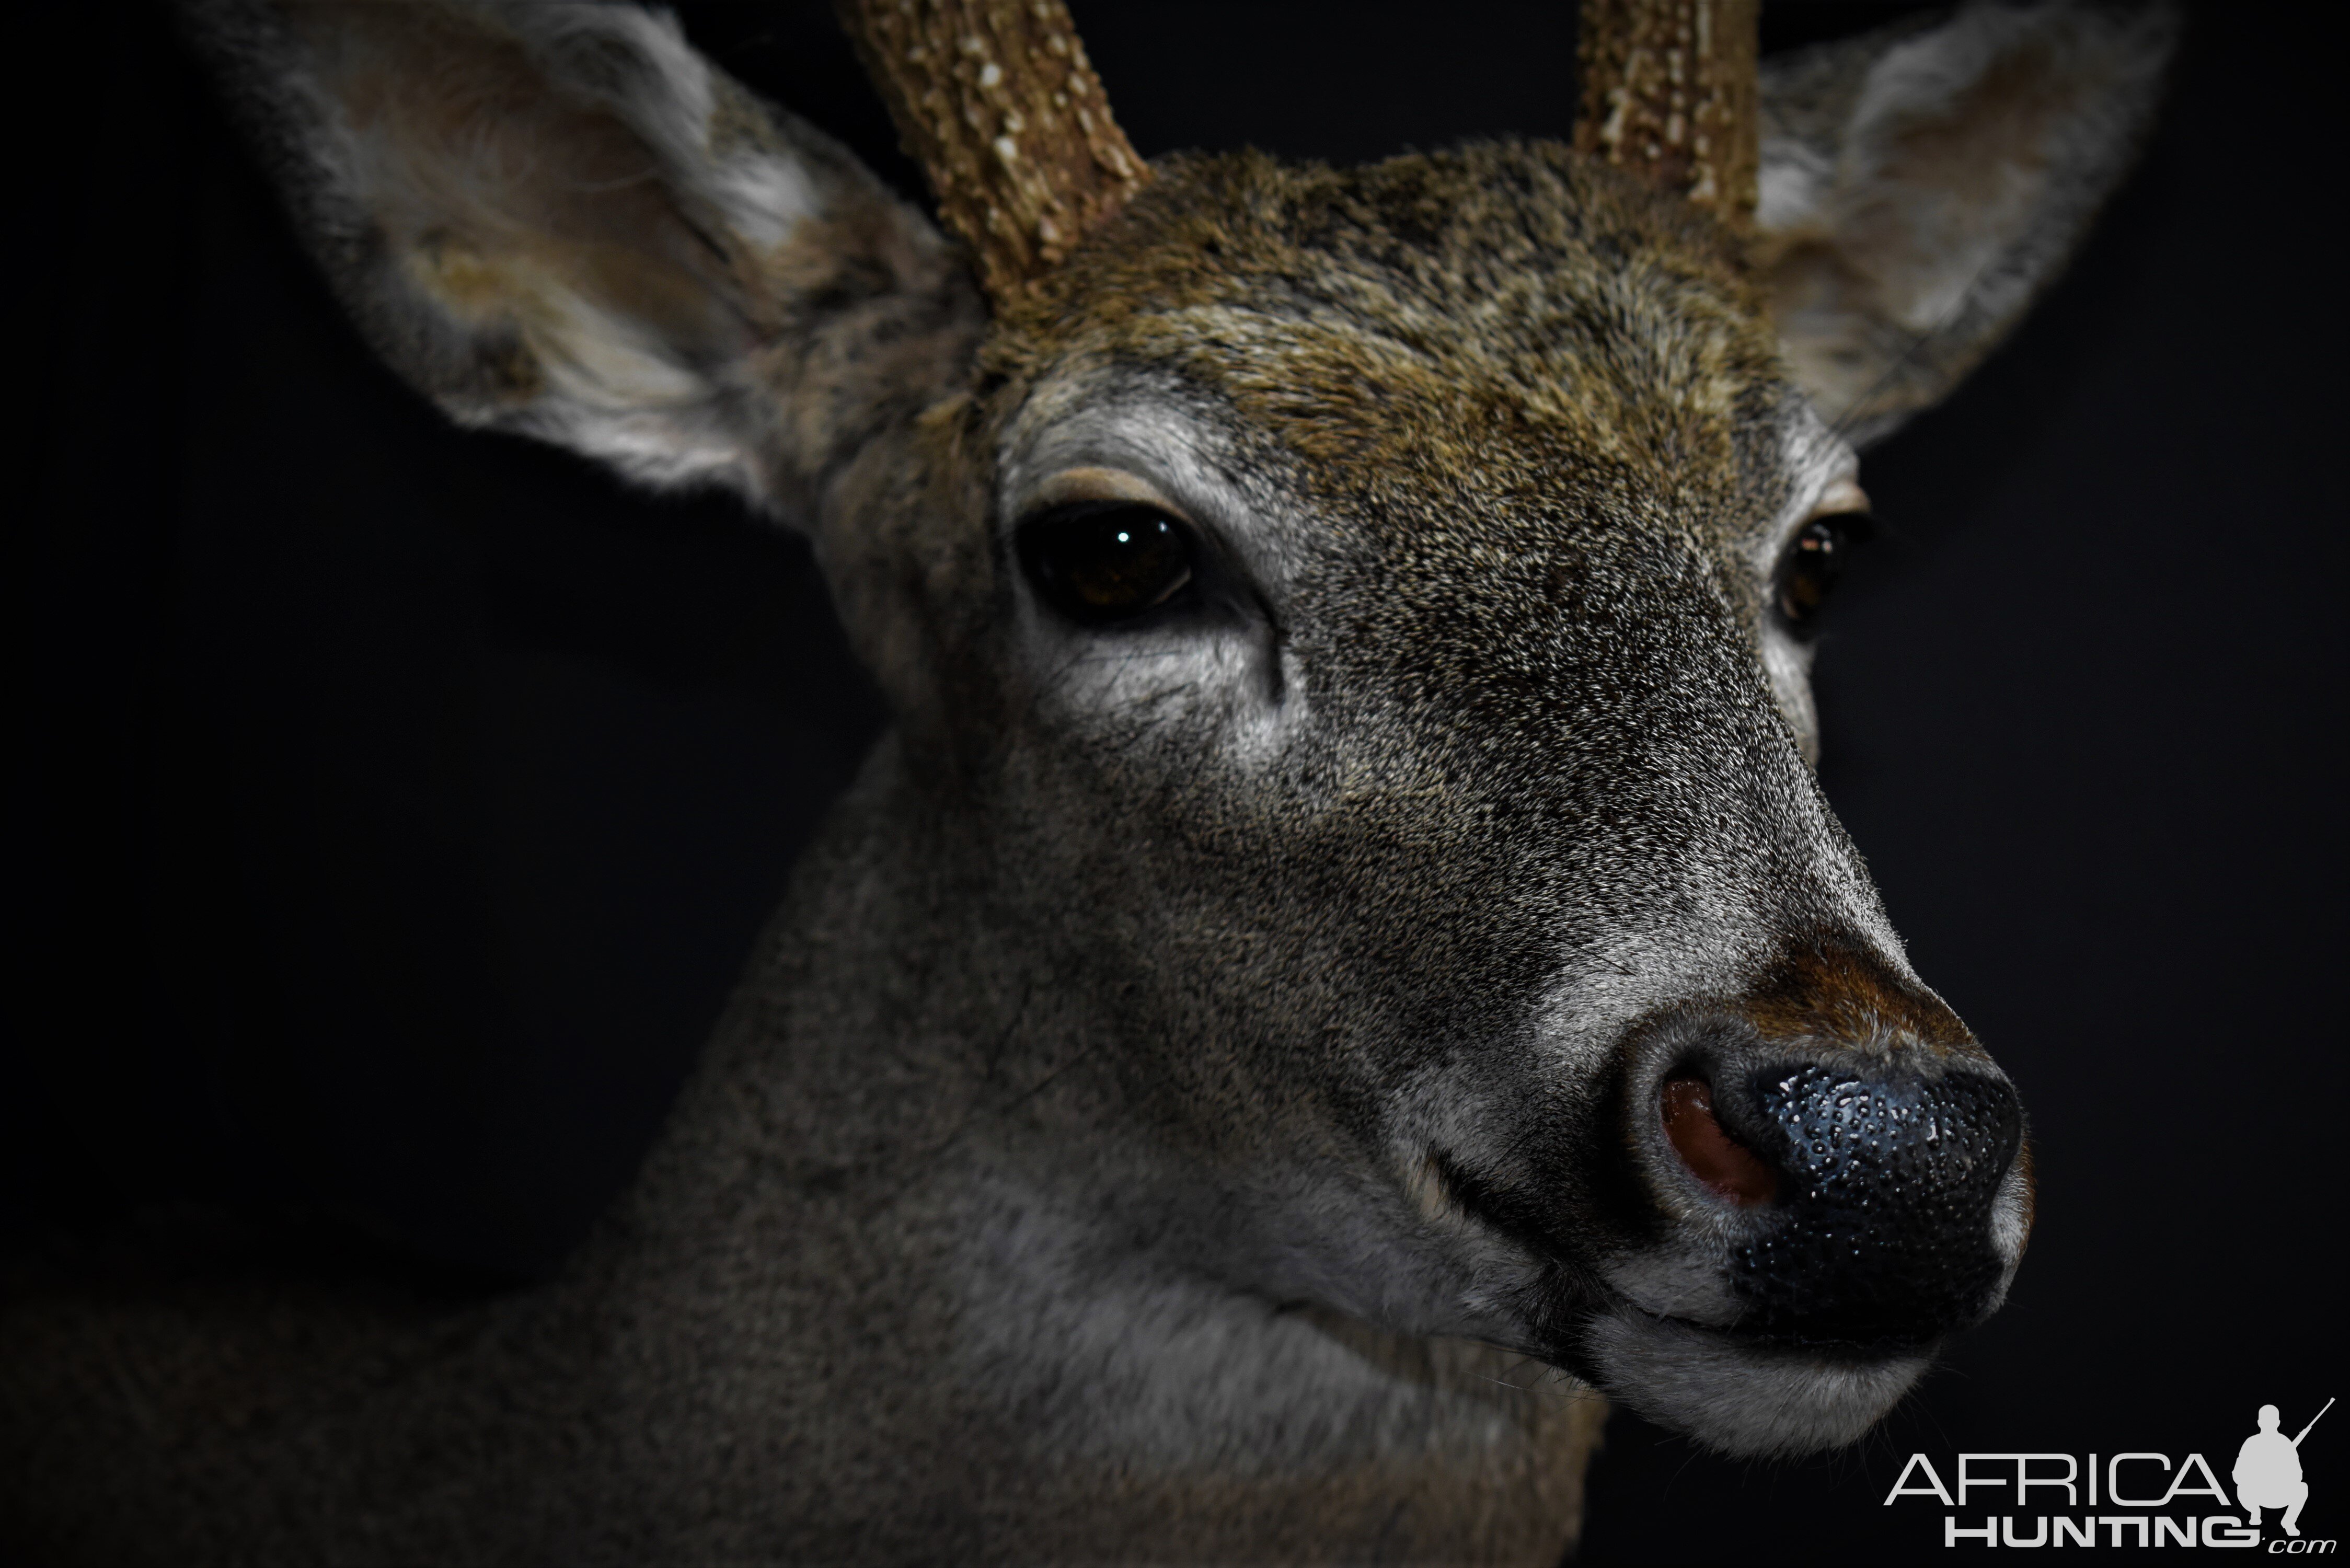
point(1818, 1183)
point(1867, 1191)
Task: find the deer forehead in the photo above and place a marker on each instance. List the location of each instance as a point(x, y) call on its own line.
point(1487, 349)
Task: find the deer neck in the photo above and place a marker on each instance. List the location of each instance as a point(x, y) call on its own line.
point(873, 1182)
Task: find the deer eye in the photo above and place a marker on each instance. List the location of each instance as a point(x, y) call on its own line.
point(1102, 561)
point(1814, 561)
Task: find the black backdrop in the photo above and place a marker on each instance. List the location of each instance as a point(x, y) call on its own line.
point(392, 806)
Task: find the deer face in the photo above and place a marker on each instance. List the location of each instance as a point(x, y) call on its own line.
point(1353, 626)
point(1385, 632)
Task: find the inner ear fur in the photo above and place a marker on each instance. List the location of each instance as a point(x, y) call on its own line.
point(561, 221)
point(1922, 184)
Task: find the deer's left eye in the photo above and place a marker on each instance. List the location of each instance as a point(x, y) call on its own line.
point(1814, 561)
point(1098, 562)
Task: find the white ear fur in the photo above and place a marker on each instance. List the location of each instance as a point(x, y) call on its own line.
point(1921, 184)
point(660, 399)
point(561, 221)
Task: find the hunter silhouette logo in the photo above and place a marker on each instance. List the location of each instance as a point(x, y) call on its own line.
point(2135, 1498)
point(2267, 1471)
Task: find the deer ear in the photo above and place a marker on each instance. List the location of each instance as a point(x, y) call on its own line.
point(1921, 184)
point(561, 221)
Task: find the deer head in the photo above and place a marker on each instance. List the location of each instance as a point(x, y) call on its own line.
point(1347, 630)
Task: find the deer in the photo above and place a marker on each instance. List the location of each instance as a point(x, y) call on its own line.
point(1341, 967)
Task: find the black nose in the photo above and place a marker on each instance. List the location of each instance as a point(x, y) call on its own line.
point(1884, 1202)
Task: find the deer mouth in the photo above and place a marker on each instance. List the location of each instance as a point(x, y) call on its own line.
point(1742, 1394)
point(1768, 1255)
point(1709, 1371)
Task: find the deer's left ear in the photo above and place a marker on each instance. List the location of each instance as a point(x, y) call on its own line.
point(1921, 184)
point(561, 221)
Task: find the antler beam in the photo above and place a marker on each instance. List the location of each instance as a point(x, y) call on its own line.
point(1667, 90)
point(997, 101)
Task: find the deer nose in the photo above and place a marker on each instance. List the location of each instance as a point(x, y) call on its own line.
point(1871, 1192)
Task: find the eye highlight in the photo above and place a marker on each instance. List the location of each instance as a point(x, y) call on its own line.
point(1814, 560)
point(1100, 562)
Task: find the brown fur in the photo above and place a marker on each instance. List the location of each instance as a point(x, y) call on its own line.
point(1845, 997)
point(1192, 1105)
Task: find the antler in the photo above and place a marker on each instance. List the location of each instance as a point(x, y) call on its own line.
point(1667, 90)
point(996, 100)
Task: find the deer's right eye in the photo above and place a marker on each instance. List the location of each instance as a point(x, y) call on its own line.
point(1102, 561)
point(1814, 560)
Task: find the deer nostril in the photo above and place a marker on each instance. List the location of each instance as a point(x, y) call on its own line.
point(1714, 1157)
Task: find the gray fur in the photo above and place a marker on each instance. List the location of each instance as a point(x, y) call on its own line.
point(645, 267)
point(1922, 185)
point(1180, 1112)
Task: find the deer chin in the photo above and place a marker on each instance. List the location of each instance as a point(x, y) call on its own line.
point(1678, 1349)
point(1745, 1398)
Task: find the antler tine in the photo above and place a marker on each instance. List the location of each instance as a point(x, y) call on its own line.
point(996, 100)
point(1668, 91)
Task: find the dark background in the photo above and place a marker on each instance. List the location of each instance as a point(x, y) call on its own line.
point(391, 807)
